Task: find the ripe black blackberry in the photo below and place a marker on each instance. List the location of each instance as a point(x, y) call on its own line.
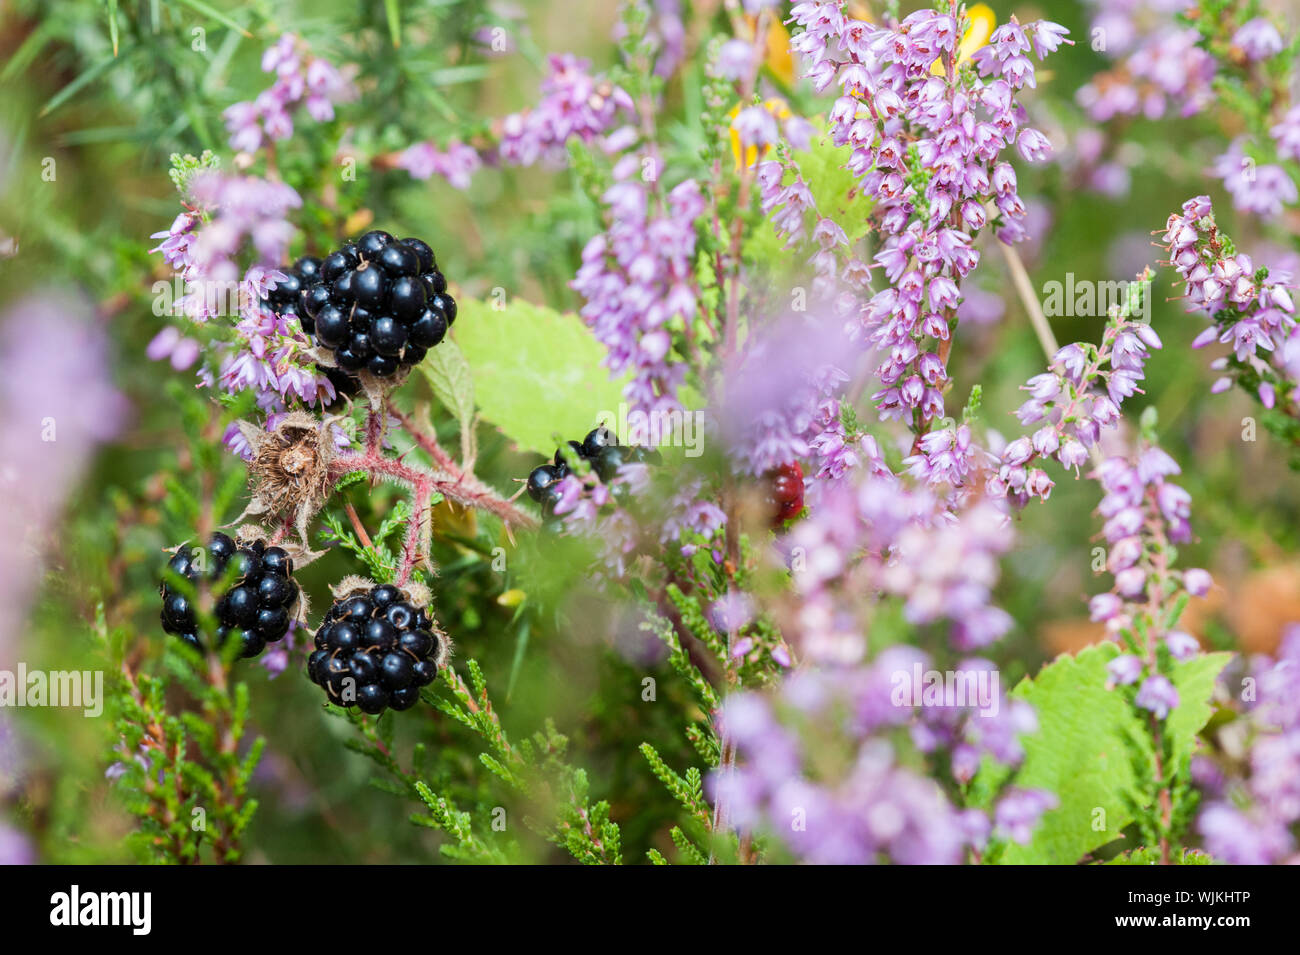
point(374, 650)
point(256, 604)
point(601, 448)
point(378, 304)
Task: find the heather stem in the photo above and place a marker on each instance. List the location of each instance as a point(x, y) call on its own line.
point(1020, 279)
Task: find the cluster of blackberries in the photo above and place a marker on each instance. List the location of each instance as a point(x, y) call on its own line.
point(374, 650)
point(256, 604)
point(378, 303)
point(601, 448)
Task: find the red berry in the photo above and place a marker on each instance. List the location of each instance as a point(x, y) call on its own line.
point(785, 492)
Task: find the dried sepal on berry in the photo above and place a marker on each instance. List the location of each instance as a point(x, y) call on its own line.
point(376, 389)
point(350, 585)
point(290, 469)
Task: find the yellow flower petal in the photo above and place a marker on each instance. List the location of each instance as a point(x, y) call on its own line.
point(779, 59)
point(512, 598)
point(780, 111)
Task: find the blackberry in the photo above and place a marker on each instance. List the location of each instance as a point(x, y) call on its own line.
point(596, 440)
point(378, 305)
point(308, 268)
point(375, 650)
point(600, 448)
point(541, 478)
point(424, 252)
point(256, 603)
point(372, 243)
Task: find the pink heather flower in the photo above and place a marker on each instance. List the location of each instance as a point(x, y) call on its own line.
point(50, 426)
point(15, 847)
point(574, 104)
point(1287, 134)
point(891, 102)
point(1262, 189)
point(755, 126)
point(1124, 669)
point(1197, 582)
point(457, 164)
point(1252, 316)
point(1104, 607)
point(735, 59)
point(1158, 695)
point(1019, 810)
point(1258, 39)
point(169, 343)
point(1240, 838)
point(1252, 819)
point(1182, 645)
point(1161, 64)
point(300, 80)
point(637, 278)
point(732, 611)
point(241, 218)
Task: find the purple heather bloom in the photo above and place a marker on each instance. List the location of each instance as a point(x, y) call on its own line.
point(1262, 189)
point(1287, 134)
point(1250, 315)
point(1161, 63)
point(15, 847)
point(873, 811)
point(300, 80)
point(240, 218)
point(50, 426)
point(958, 130)
point(1019, 810)
point(755, 126)
point(735, 59)
point(1253, 815)
point(1197, 582)
point(1238, 838)
point(1104, 607)
point(1158, 695)
point(731, 611)
point(1124, 669)
point(636, 278)
point(1258, 39)
point(1182, 645)
point(457, 163)
point(169, 343)
point(574, 103)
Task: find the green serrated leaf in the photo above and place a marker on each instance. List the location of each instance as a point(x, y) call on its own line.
point(1080, 751)
point(536, 372)
point(452, 382)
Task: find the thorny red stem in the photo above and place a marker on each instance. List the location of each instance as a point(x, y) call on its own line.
point(447, 479)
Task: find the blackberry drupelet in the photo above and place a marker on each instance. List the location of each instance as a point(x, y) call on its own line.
point(256, 604)
point(374, 650)
point(601, 448)
point(379, 304)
